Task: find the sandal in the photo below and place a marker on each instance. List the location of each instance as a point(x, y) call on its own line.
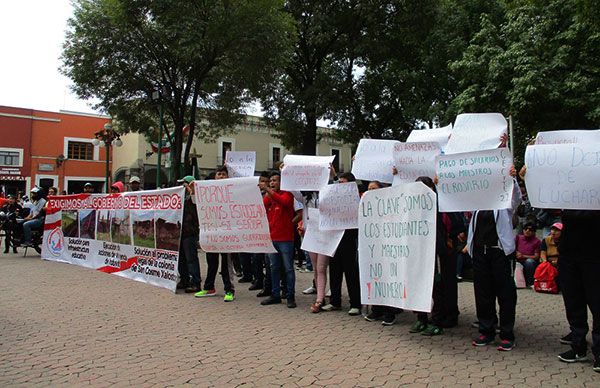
point(316, 307)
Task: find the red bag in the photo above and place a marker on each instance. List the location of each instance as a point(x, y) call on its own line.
point(544, 276)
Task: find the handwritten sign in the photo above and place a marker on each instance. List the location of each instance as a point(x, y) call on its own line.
point(475, 132)
point(232, 216)
point(396, 246)
point(338, 206)
point(324, 242)
point(475, 180)
point(413, 160)
point(436, 135)
point(563, 176)
point(240, 163)
point(374, 160)
point(301, 172)
point(568, 136)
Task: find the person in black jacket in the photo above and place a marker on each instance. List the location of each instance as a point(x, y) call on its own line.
point(12, 207)
point(189, 267)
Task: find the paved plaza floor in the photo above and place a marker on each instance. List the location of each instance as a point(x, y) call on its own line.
point(63, 325)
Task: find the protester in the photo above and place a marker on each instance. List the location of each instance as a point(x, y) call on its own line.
point(88, 188)
point(549, 245)
point(117, 187)
point(280, 211)
point(134, 183)
point(35, 219)
point(189, 267)
point(212, 260)
point(260, 262)
point(11, 207)
point(527, 247)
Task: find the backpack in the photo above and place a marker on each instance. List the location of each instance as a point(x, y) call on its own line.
point(544, 278)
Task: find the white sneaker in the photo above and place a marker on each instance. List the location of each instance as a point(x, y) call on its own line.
point(329, 307)
point(328, 294)
point(310, 290)
point(354, 311)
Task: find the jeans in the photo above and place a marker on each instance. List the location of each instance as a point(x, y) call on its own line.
point(27, 226)
point(258, 261)
point(285, 256)
point(188, 255)
point(529, 266)
point(212, 259)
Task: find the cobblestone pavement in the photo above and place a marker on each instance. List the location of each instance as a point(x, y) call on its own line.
point(63, 325)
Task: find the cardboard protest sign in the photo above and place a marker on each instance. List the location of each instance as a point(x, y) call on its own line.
point(563, 176)
point(134, 235)
point(436, 135)
point(240, 163)
point(232, 216)
point(475, 132)
point(301, 172)
point(324, 242)
point(374, 160)
point(475, 180)
point(396, 246)
point(413, 160)
point(568, 136)
point(338, 206)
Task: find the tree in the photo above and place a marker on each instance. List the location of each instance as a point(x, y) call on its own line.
point(207, 58)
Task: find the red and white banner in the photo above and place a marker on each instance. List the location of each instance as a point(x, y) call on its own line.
point(134, 235)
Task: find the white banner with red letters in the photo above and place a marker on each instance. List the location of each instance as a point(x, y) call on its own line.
point(134, 235)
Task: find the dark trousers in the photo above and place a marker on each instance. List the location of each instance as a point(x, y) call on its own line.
point(345, 263)
point(258, 261)
point(8, 241)
point(385, 311)
point(246, 263)
point(493, 278)
point(188, 264)
point(444, 312)
point(580, 282)
point(212, 259)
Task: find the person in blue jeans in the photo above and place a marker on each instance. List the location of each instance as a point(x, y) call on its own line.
point(35, 219)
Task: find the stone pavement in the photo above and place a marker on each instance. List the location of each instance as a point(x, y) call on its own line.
point(63, 325)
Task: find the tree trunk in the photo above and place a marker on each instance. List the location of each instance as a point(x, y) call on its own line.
point(190, 137)
point(309, 137)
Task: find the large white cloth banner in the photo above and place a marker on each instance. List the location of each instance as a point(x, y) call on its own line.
point(436, 135)
point(338, 206)
point(413, 160)
point(396, 246)
point(475, 180)
point(475, 132)
point(232, 216)
point(301, 172)
point(374, 160)
point(134, 235)
point(240, 163)
point(568, 136)
point(563, 176)
point(324, 242)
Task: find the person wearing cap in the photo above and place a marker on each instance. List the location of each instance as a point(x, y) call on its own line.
point(11, 207)
point(117, 187)
point(134, 183)
point(188, 265)
point(527, 247)
point(549, 246)
point(88, 188)
point(35, 219)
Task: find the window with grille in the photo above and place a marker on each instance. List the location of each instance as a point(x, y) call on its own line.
point(80, 150)
point(10, 158)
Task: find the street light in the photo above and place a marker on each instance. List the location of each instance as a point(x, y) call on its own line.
point(107, 137)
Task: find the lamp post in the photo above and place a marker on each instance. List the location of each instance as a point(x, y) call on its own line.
point(107, 137)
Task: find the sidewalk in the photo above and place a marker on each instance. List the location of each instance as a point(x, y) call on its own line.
point(63, 325)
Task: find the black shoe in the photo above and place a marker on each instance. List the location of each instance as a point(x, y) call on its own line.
point(15, 250)
point(255, 287)
point(571, 356)
point(270, 300)
point(192, 289)
point(291, 303)
point(6, 251)
point(182, 286)
point(567, 340)
point(372, 317)
point(388, 320)
point(597, 364)
point(245, 280)
point(263, 293)
point(283, 295)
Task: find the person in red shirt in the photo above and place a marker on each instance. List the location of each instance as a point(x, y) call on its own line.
point(280, 212)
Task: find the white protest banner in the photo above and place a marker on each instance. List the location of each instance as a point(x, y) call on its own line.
point(338, 206)
point(436, 135)
point(232, 216)
point(240, 163)
point(302, 172)
point(374, 160)
point(563, 176)
point(324, 242)
point(396, 246)
point(475, 132)
point(568, 136)
point(475, 180)
point(134, 235)
point(413, 160)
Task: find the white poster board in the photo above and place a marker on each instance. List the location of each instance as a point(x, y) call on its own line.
point(396, 246)
point(324, 242)
point(436, 135)
point(475, 132)
point(475, 180)
point(568, 136)
point(240, 163)
point(374, 160)
point(338, 206)
point(413, 160)
point(302, 172)
point(232, 216)
point(563, 176)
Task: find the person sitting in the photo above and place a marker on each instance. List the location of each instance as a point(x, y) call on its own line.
point(35, 219)
point(549, 246)
point(528, 251)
